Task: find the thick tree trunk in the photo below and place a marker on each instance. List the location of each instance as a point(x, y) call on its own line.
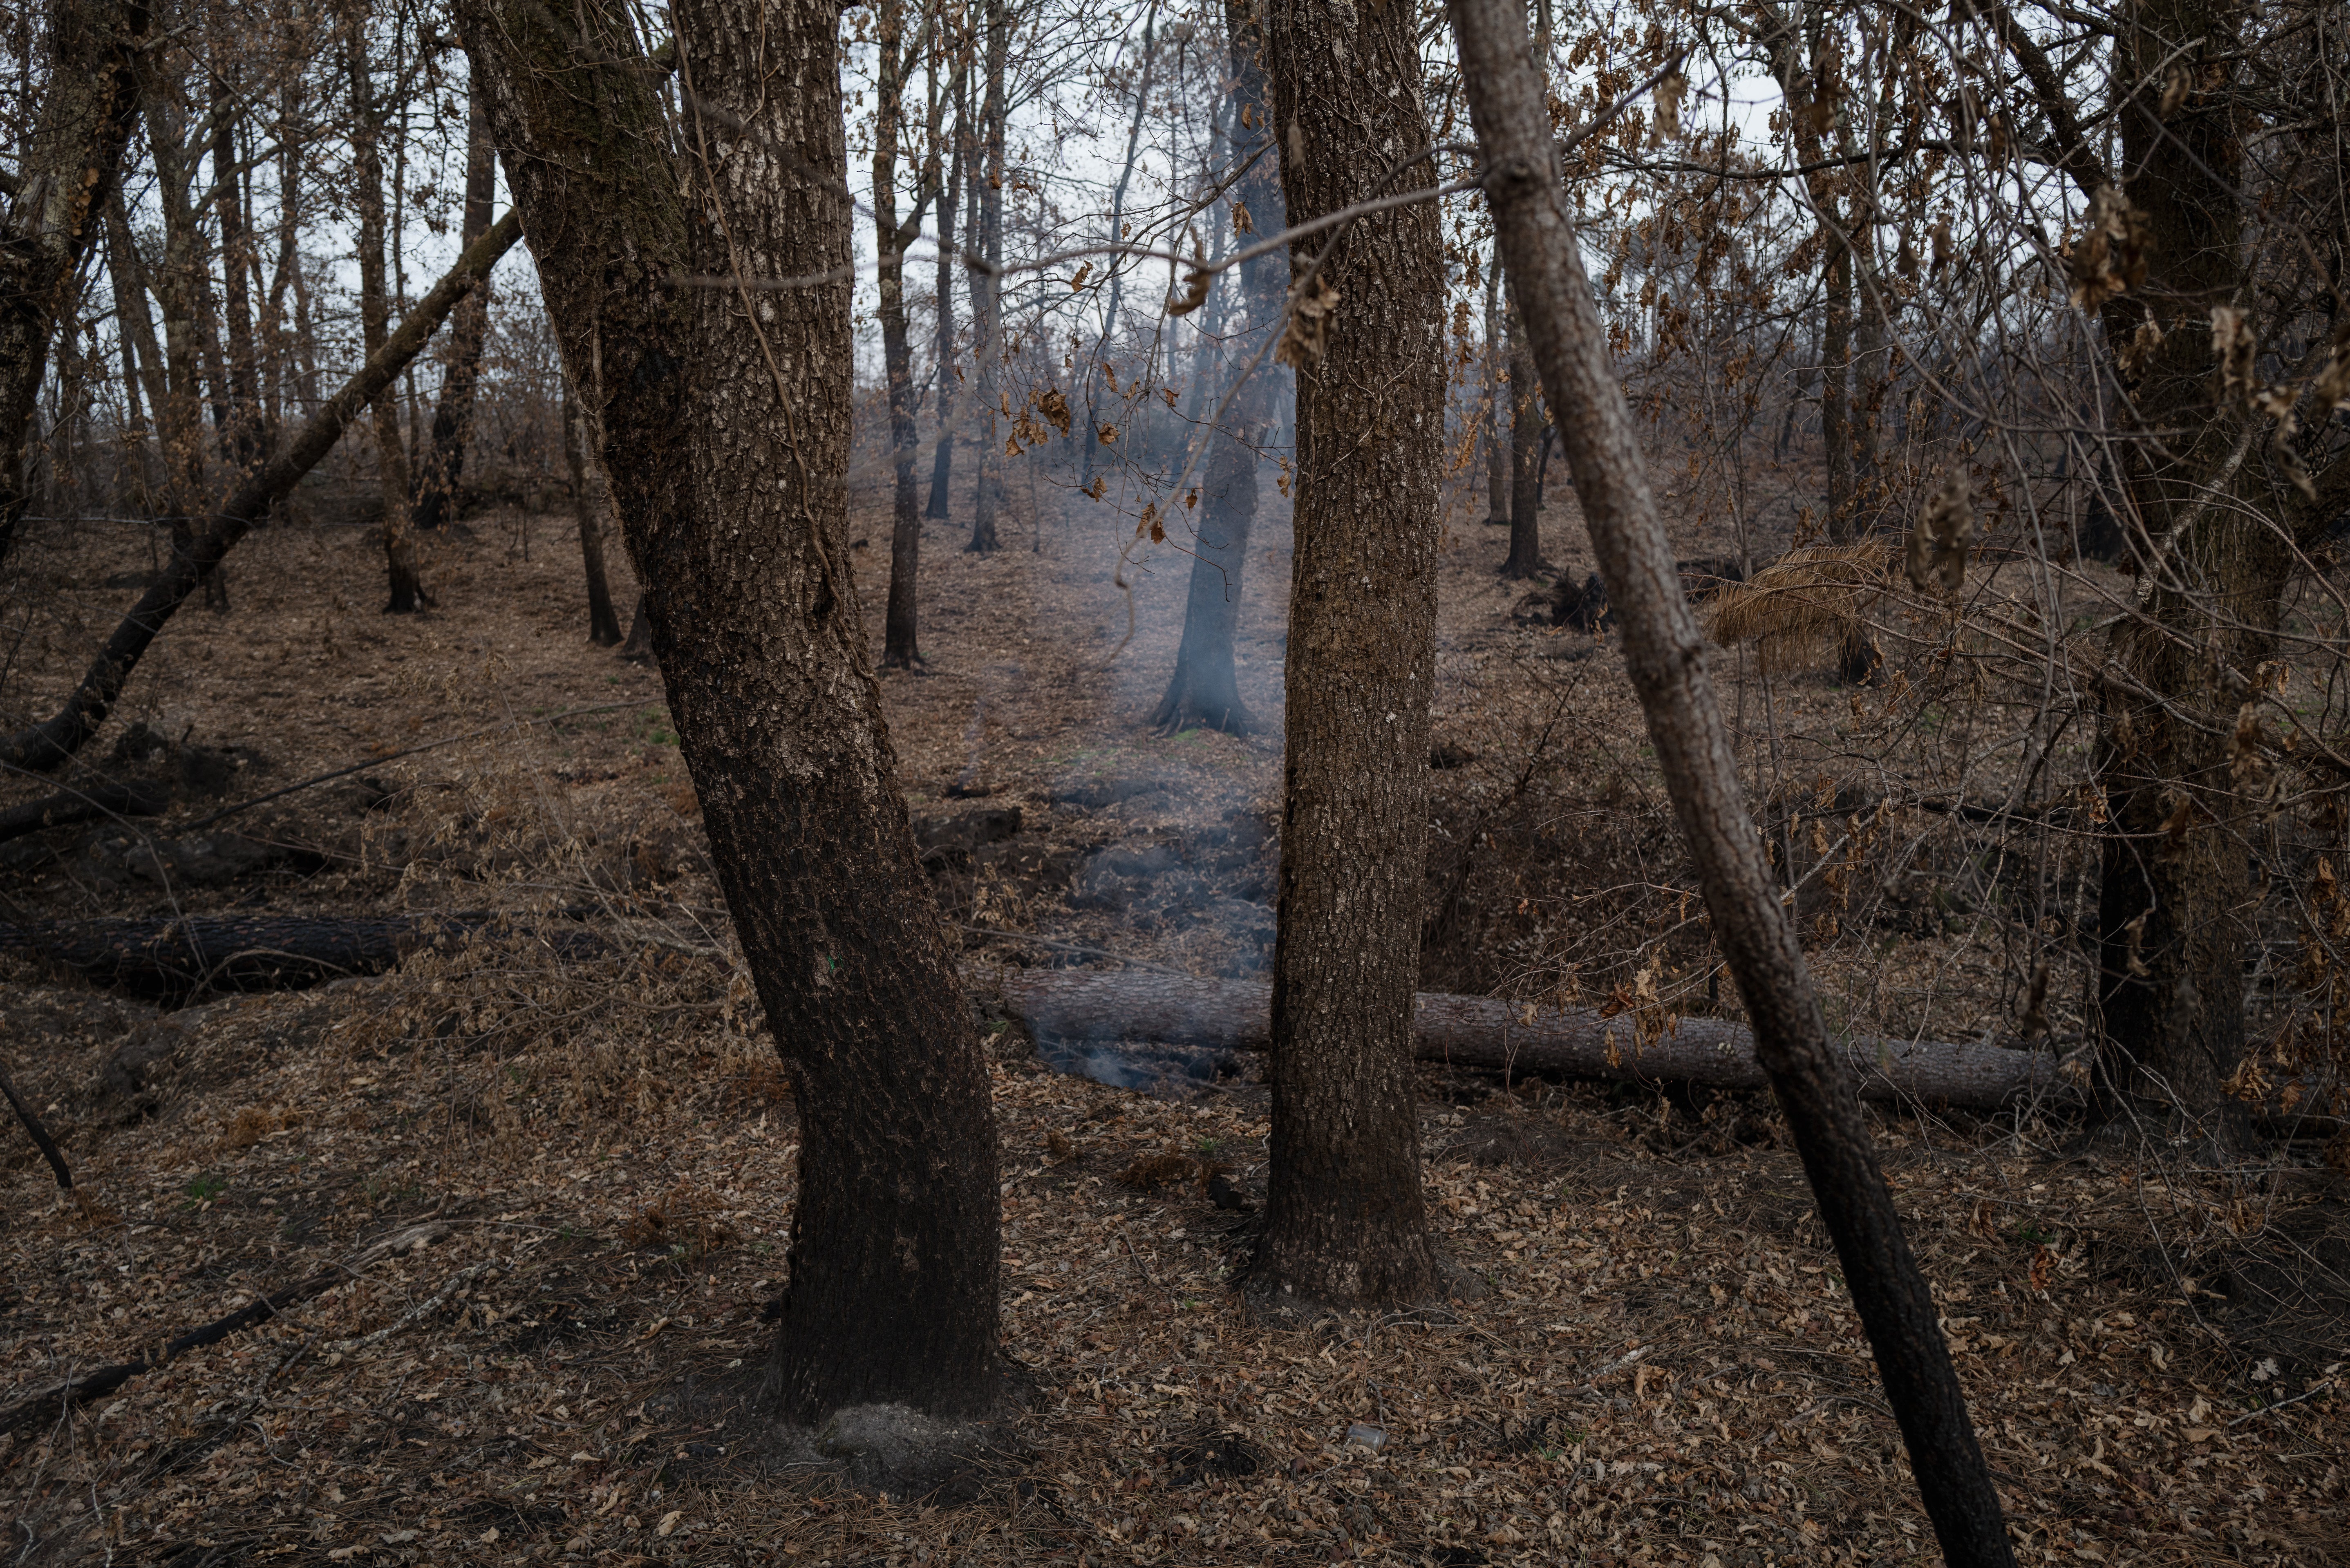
point(591, 500)
point(1478, 1031)
point(2177, 897)
point(1205, 686)
point(54, 741)
point(1666, 656)
point(725, 425)
point(1345, 1223)
point(1526, 422)
point(402, 567)
point(987, 287)
point(70, 163)
point(441, 462)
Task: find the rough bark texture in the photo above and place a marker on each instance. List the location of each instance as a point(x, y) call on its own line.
point(949, 205)
point(726, 423)
point(591, 500)
point(70, 164)
point(1525, 457)
point(1205, 686)
point(1666, 656)
point(1345, 1220)
point(52, 741)
point(441, 462)
point(1478, 1031)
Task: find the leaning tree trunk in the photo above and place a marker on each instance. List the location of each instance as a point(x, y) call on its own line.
point(65, 178)
point(987, 287)
point(591, 500)
point(441, 465)
point(725, 425)
point(1526, 423)
point(1666, 656)
point(1205, 686)
point(1345, 1223)
point(54, 741)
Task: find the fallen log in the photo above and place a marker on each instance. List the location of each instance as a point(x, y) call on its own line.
point(1478, 1031)
point(174, 960)
point(81, 806)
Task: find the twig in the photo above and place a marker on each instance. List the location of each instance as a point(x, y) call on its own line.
point(40, 1134)
point(2281, 1403)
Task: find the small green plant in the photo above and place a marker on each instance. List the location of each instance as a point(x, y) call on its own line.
point(205, 1189)
point(2029, 1234)
point(1210, 1144)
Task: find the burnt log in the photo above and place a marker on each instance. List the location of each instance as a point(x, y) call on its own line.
point(106, 800)
point(175, 961)
point(1480, 1032)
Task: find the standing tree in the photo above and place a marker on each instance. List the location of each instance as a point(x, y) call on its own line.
point(68, 175)
point(1526, 422)
point(949, 205)
point(1205, 686)
point(1346, 1222)
point(367, 122)
point(723, 414)
point(441, 462)
point(987, 281)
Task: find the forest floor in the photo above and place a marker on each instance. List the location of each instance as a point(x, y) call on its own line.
point(544, 1198)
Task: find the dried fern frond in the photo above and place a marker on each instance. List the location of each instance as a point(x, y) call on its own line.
point(1804, 606)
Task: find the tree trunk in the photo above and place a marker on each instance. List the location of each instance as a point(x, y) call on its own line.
point(70, 165)
point(725, 426)
point(129, 276)
point(406, 578)
point(1480, 1032)
point(1498, 490)
point(2177, 897)
point(178, 288)
point(1836, 383)
point(54, 741)
point(1526, 423)
point(441, 464)
point(1345, 1223)
point(591, 499)
point(1117, 263)
point(1205, 686)
point(987, 288)
point(240, 441)
point(950, 206)
point(1666, 656)
point(899, 649)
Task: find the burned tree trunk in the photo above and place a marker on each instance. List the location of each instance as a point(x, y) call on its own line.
point(1666, 656)
point(401, 566)
point(591, 502)
point(943, 373)
point(987, 285)
point(1346, 1222)
point(1205, 686)
point(1498, 493)
point(729, 479)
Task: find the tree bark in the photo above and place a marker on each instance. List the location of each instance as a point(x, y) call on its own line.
point(178, 288)
point(70, 165)
point(1480, 1032)
point(724, 416)
point(1205, 686)
point(987, 287)
point(1345, 1223)
point(241, 438)
point(46, 745)
point(441, 464)
point(591, 500)
point(401, 566)
point(1526, 423)
point(1666, 656)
